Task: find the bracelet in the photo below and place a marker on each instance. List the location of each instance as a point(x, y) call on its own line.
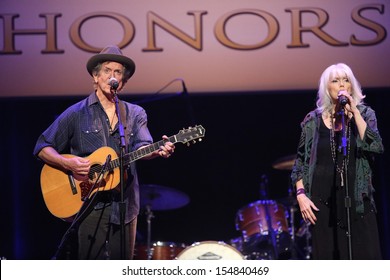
point(301, 191)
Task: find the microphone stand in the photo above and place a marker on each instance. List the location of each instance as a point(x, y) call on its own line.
point(344, 175)
point(122, 203)
point(83, 209)
point(189, 105)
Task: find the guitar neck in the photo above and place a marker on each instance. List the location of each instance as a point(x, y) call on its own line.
point(184, 136)
point(140, 153)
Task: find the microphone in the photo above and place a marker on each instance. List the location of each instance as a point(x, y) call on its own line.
point(343, 100)
point(114, 84)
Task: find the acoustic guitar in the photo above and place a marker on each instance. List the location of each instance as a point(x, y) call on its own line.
point(64, 195)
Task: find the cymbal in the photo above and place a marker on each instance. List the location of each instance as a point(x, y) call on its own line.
point(162, 198)
point(284, 163)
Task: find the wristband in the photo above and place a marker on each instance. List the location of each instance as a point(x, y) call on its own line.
point(301, 191)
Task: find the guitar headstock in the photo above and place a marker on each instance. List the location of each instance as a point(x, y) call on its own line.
point(190, 135)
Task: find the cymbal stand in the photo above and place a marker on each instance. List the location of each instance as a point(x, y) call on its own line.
point(264, 196)
point(308, 237)
point(149, 217)
point(292, 209)
point(271, 230)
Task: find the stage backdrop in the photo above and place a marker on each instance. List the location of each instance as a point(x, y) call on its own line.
point(214, 46)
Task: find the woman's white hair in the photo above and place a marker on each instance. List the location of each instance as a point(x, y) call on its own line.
point(324, 100)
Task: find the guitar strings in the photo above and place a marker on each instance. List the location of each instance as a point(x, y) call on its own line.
point(97, 168)
point(137, 154)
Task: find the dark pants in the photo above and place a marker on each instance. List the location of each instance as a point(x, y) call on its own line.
point(99, 239)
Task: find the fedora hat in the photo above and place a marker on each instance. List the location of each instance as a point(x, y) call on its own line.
point(111, 53)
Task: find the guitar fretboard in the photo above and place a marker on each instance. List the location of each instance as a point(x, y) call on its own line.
point(140, 153)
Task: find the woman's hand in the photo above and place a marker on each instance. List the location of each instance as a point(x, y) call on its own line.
point(307, 206)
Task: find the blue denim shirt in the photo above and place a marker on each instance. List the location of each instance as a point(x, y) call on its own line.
point(84, 127)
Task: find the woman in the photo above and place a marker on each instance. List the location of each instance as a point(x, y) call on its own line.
point(335, 153)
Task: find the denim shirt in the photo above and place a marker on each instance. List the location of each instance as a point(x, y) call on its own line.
point(84, 127)
point(371, 144)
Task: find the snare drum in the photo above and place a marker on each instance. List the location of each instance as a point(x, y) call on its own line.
point(159, 251)
point(210, 250)
point(260, 217)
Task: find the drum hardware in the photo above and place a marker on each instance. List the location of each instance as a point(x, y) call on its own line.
point(264, 228)
point(264, 183)
point(308, 238)
point(149, 217)
point(210, 250)
point(263, 189)
point(290, 202)
point(160, 250)
point(264, 224)
point(287, 163)
point(304, 232)
point(237, 243)
point(155, 197)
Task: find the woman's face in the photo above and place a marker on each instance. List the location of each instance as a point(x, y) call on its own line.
point(338, 83)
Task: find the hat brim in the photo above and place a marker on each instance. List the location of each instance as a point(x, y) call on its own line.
point(99, 58)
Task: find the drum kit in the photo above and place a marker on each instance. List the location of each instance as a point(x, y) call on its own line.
point(156, 197)
point(267, 228)
point(159, 198)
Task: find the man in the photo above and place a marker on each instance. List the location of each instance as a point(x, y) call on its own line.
point(89, 125)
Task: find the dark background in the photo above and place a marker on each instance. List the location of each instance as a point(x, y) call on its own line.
point(246, 132)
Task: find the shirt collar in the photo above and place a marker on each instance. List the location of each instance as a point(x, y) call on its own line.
point(92, 99)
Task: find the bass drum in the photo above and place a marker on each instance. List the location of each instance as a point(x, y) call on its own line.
point(159, 250)
point(210, 250)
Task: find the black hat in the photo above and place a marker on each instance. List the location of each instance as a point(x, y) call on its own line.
point(111, 53)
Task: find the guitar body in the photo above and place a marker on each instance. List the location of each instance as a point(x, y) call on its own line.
point(64, 195)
